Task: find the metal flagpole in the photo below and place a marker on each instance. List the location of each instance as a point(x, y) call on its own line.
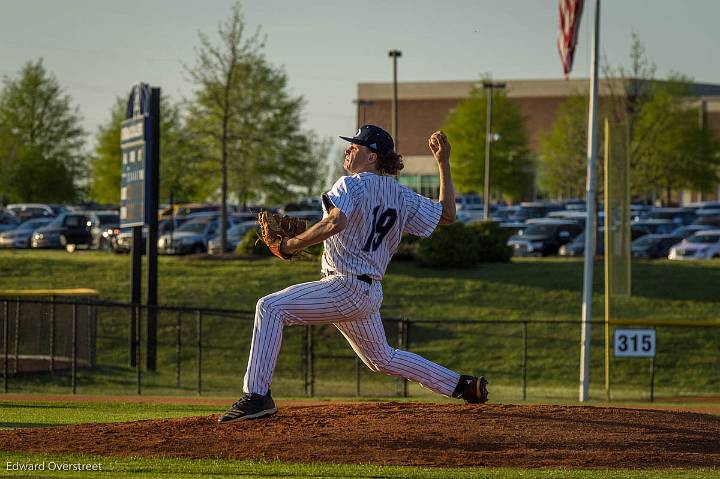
point(591, 214)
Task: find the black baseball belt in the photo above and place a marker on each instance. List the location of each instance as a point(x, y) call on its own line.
point(362, 277)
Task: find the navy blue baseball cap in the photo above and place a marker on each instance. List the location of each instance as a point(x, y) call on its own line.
point(373, 137)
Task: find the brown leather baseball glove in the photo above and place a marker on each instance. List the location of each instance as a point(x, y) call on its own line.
point(275, 227)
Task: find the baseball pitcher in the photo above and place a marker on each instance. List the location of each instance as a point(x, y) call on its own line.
point(364, 217)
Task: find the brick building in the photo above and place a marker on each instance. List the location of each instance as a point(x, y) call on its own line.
point(423, 106)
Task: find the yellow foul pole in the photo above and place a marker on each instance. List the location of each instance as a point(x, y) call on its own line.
point(607, 254)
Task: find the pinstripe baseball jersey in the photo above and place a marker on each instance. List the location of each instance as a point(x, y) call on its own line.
point(379, 210)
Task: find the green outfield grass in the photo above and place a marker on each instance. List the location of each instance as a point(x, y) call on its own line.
point(523, 290)
point(26, 414)
point(16, 414)
point(219, 468)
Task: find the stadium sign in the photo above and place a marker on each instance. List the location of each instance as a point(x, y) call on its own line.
point(135, 144)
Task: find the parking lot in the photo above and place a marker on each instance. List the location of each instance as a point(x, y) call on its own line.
point(549, 228)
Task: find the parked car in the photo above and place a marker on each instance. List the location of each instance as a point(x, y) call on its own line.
point(570, 215)
point(104, 226)
point(502, 213)
point(576, 247)
point(575, 205)
point(469, 216)
point(122, 242)
point(703, 204)
point(513, 228)
point(638, 211)
point(655, 226)
point(25, 211)
point(234, 236)
point(303, 205)
point(169, 225)
point(679, 216)
point(689, 230)
point(186, 209)
point(58, 209)
point(8, 221)
point(528, 211)
point(20, 236)
point(654, 246)
point(193, 236)
point(543, 237)
point(246, 216)
point(66, 231)
point(708, 216)
point(701, 245)
point(469, 202)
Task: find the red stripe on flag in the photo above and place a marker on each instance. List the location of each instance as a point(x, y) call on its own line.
point(569, 13)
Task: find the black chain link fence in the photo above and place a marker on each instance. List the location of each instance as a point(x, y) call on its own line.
point(93, 347)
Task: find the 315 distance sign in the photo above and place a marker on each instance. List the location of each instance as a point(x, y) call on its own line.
point(634, 343)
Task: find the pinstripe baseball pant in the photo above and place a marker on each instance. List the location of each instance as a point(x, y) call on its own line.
point(354, 308)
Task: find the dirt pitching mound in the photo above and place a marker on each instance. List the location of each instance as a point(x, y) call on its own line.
point(409, 434)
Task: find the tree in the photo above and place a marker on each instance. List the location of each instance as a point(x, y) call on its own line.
point(312, 178)
point(11, 152)
point(106, 161)
point(629, 89)
point(511, 163)
point(178, 171)
point(335, 168)
point(670, 148)
point(41, 139)
point(563, 158)
point(667, 149)
point(242, 118)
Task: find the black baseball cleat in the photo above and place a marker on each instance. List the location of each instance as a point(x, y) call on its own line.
point(472, 389)
point(249, 406)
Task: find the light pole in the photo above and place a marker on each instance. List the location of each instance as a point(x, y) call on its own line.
point(395, 54)
point(488, 86)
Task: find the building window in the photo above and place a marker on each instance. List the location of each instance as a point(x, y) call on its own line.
point(430, 186)
point(426, 185)
point(411, 181)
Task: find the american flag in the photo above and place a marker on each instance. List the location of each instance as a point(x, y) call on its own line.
point(570, 14)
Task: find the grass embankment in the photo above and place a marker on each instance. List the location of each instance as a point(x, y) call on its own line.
point(525, 290)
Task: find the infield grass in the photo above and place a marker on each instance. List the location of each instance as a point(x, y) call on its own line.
point(120, 467)
point(44, 413)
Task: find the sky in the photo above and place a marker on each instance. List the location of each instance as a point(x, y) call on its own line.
point(98, 48)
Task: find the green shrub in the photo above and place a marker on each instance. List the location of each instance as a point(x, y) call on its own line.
point(313, 253)
point(407, 249)
point(251, 245)
point(458, 246)
point(492, 240)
